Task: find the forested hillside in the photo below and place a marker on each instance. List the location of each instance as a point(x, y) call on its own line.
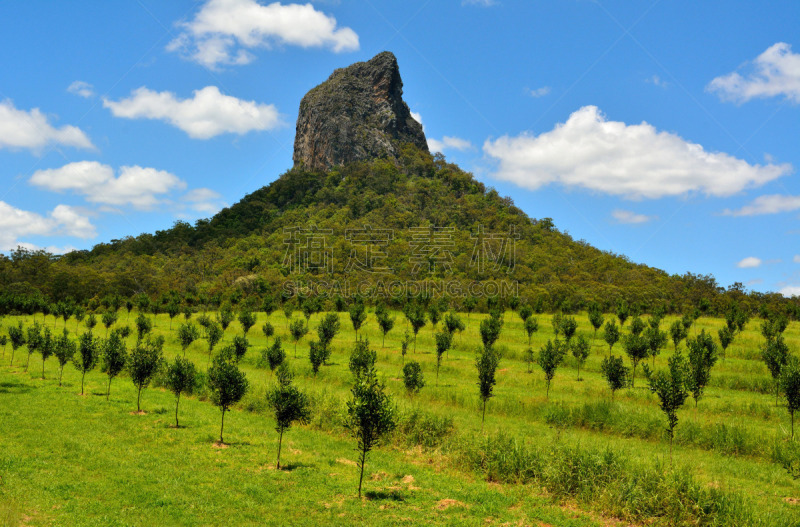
point(245, 251)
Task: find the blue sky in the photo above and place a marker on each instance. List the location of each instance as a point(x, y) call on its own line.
point(666, 131)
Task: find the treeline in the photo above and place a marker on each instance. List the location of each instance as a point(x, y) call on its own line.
point(242, 252)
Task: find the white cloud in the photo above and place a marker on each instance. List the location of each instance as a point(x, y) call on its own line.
point(634, 161)
point(449, 143)
point(773, 73)
point(204, 200)
point(796, 258)
point(482, 3)
point(224, 31)
point(626, 216)
point(32, 130)
point(61, 221)
point(790, 290)
point(135, 186)
point(657, 81)
point(82, 89)
point(207, 114)
point(417, 117)
point(539, 92)
point(768, 204)
point(750, 262)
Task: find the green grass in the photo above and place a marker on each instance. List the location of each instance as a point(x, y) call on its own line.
point(82, 461)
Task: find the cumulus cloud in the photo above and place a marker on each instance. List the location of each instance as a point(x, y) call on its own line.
point(61, 221)
point(82, 89)
point(768, 204)
point(774, 73)
point(634, 161)
point(136, 186)
point(204, 200)
point(626, 216)
point(790, 291)
point(207, 114)
point(449, 143)
point(32, 130)
point(539, 92)
point(224, 31)
point(750, 262)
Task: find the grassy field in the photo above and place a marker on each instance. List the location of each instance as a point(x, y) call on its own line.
point(71, 460)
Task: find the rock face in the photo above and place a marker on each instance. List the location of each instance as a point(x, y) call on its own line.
point(357, 114)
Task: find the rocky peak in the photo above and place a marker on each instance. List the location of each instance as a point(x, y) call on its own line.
point(357, 114)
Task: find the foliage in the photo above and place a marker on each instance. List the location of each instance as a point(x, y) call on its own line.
point(790, 385)
point(362, 359)
point(486, 362)
point(415, 314)
point(611, 334)
point(187, 333)
point(181, 376)
point(370, 417)
point(775, 354)
point(317, 354)
point(637, 348)
point(637, 326)
point(247, 319)
point(702, 356)
point(114, 354)
point(225, 316)
point(144, 325)
point(671, 389)
point(275, 356)
point(385, 322)
point(87, 356)
point(288, 405)
point(227, 385)
point(678, 332)
point(531, 326)
point(550, 357)
point(568, 327)
point(268, 329)
point(443, 342)
point(64, 350)
point(143, 363)
point(615, 373)
point(490, 329)
point(213, 336)
point(413, 379)
point(358, 315)
point(580, 351)
point(298, 328)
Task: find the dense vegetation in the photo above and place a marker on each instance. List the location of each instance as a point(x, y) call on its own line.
point(240, 254)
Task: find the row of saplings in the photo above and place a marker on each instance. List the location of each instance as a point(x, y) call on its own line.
point(371, 413)
point(685, 375)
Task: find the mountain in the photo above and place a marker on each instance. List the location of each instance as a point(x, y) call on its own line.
point(356, 115)
point(366, 211)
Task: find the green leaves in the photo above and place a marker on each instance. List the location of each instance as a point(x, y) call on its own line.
point(671, 387)
point(702, 357)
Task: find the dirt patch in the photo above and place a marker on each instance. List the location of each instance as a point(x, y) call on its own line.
point(220, 446)
point(348, 462)
point(140, 412)
point(447, 503)
point(379, 476)
point(792, 501)
point(295, 452)
point(408, 480)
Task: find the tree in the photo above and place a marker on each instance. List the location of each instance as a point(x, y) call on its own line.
point(678, 332)
point(109, 318)
point(362, 359)
point(370, 416)
point(80, 314)
point(413, 379)
point(656, 339)
point(580, 351)
point(113, 357)
point(637, 326)
point(47, 347)
point(327, 330)
point(180, 378)
point(568, 327)
point(187, 333)
point(531, 327)
point(386, 323)
point(268, 329)
point(225, 316)
point(4, 343)
point(443, 342)
point(486, 361)
point(227, 384)
point(298, 329)
point(91, 322)
point(238, 348)
point(275, 355)
point(247, 319)
point(549, 359)
point(416, 316)
point(143, 363)
point(611, 334)
point(268, 305)
point(670, 387)
point(434, 315)
point(622, 312)
point(172, 310)
point(358, 315)
point(404, 345)
point(790, 385)
point(64, 350)
point(88, 353)
point(636, 347)
point(556, 322)
point(595, 319)
point(470, 303)
point(725, 339)
point(288, 404)
point(144, 325)
point(702, 357)
point(213, 336)
point(525, 312)
point(490, 329)
point(316, 355)
point(615, 372)
point(775, 355)
point(287, 312)
point(34, 341)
